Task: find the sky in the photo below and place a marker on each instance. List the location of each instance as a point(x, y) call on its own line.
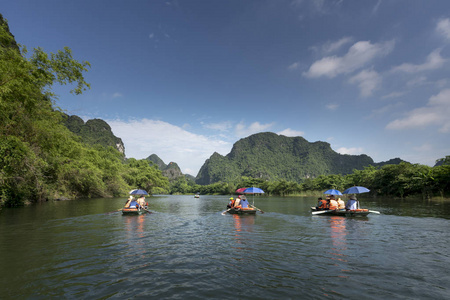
point(185, 79)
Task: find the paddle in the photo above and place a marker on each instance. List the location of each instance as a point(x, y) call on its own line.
point(223, 213)
point(320, 212)
point(374, 211)
point(256, 208)
point(147, 210)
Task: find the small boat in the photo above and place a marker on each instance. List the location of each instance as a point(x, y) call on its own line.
point(133, 211)
point(196, 196)
point(345, 213)
point(243, 211)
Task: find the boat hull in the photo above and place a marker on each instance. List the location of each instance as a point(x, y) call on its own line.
point(234, 211)
point(132, 211)
point(345, 213)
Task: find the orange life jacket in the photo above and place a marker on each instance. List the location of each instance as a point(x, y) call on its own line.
point(323, 204)
point(333, 204)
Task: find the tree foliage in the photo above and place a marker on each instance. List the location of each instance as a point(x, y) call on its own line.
point(40, 158)
point(275, 157)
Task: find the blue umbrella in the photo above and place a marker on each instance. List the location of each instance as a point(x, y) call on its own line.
point(356, 190)
point(138, 192)
point(253, 190)
point(333, 192)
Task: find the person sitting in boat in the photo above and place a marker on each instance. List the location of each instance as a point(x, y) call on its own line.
point(127, 204)
point(244, 203)
point(133, 204)
point(352, 203)
point(333, 205)
point(141, 201)
point(237, 203)
point(231, 203)
point(322, 204)
point(341, 203)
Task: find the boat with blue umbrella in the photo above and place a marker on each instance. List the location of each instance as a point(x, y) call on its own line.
point(135, 206)
point(354, 212)
point(241, 206)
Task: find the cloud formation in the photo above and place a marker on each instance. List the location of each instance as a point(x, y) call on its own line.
point(358, 56)
point(351, 151)
point(171, 143)
point(332, 106)
point(241, 130)
point(436, 113)
point(367, 81)
point(443, 28)
point(434, 61)
point(331, 47)
point(291, 132)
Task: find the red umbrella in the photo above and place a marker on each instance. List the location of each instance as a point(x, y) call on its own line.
point(241, 190)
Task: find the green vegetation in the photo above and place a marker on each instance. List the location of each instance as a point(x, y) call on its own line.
point(276, 157)
point(40, 158)
point(400, 180)
point(45, 154)
point(94, 132)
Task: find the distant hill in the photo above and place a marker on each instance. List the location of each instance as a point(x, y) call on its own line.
point(274, 157)
point(171, 171)
point(443, 161)
point(95, 131)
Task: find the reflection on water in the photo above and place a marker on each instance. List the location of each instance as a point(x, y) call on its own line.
point(243, 227)
point(186, 249)
point(338, 238)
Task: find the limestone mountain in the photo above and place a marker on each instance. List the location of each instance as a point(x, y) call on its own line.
point(95, 131)
point(274, 157)
point(171, 171)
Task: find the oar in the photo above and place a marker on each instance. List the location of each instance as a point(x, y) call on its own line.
point(374, 211)
point(226, 211)
point(318, 212)
point(256, 208)
point(147, 210)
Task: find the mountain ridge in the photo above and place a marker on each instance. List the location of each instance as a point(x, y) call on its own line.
point(272, 157)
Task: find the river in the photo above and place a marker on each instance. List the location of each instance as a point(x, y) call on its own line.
point(186, 249)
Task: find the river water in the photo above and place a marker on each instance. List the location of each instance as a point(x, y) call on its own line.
point(186, 249)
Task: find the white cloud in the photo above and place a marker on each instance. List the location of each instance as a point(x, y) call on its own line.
point(434, 61)
point(243, 131)
point(334, 46)
point(375, 8)
point(294, 66)
point(151, 35)
point(443, 27)
point(291, 132)
point(332, 106)
point(171, 143)
point(351, 151)
point(117, 95)
point(367, 80)
point(436, 112)
point(359, 55)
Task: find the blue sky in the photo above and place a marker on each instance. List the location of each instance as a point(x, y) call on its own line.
point(185, 79)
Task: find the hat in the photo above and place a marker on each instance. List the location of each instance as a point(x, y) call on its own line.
point(352, 197)
point(231, 198)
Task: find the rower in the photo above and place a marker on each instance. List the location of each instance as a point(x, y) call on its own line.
point(231, 203)
point(322, 204)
